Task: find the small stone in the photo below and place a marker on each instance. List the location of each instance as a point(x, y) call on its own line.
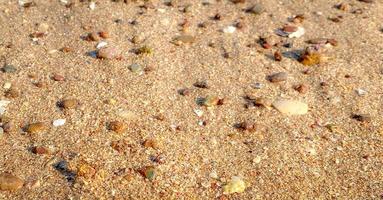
point(116, 126)
point(278, 77)
point(37, 127)
point(184, 39)
point(290, 107)
point(7, 85)
point(108, 53)
point(92, 5)
point(69, 103)
point(104, 34)
point(367, 1)
point(257, 160)
point(229, 29)
point(236, 185)
point(9, 69)
point(136, 68)
point(85, 170)
point(184, 92)
point(148, 172)
point(289, 29)
point(302, 88)
point(278, 56)
point(59, 122)
point(257, 85)
point(93, 37)
point(58, 77)
point(137, 39)
point(246, 126)
point(12, 93)
point(150, 143)
point(101, 44)
point(343, 6)
point(361, 92)
point(3, 105)
point(362, 117)
point(9, 182)
point(41, 150)
point(201, 84)
point(256, 9)
point(260, 101)
point(310, 58)
point(144, 50)
point(298, 33)
point(1, 133)
point(198, 112)
point(210, 101)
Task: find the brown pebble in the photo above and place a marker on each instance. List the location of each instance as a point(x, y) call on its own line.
point(37, 127)
point(7, 127)
point(104, 34)
point(69, 103)
point(362, 117)
point(278, 56)
point(302, 88)
point(201, 84)
point(9, 182)
point(12, 93)
point(261, 101)
point(278, 77)
point(246, 126)
point(116, 126)
point(40, 150)
point(85, 170)
point(66, 49)
point(40, 84)
point(58, 77)
point(184, 92)
point(290, 29)
point(150, 143)
point(92, 37)
point(108, 53)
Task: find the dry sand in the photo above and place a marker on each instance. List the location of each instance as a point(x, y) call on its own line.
point(323, 154)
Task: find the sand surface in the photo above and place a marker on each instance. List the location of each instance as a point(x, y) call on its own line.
point(327, 153)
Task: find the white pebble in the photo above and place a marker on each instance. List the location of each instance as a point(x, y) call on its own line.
point(297, 34)
point(3, 105)
point(291, 107)
point(7, 85)
point(92, 5)
point(59, 122)
point(198, 112)
point(361, 92)
point(229, 29)
point(101, 44)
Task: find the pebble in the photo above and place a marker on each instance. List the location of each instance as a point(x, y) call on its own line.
point(210, 101)
point(9, 182)
point(1, 133)
point(59, 122)
point(9, 69)
point(108, 53)
point(92, 5)
point(291, 107)
point(310, 58)
point(198, 112)
point(278, 77)
point(3, 105)
point(201, 84)
point(93, 36)
point(7, 85)
point(361, 92)
point(37, 127)
point(236, 185)
point(302, 88)
point(144, 50)
point(12, 93)
point(85, 170)
point(278, 56)
point(101, 44)
point(148, 172)
point(229, 29)
point(261, 101)
point(362, 117)
point(136, 68)
point(246, 126)
point(58, 77)
point(184, 39)
point(257, 85)
point(69, 103)
point(150, 143)
point(103, 34)
point(41, 150)
point(256, 9)
point(117, 126)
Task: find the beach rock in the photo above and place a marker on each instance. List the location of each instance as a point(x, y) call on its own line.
point(210, 101)
point(150, 143)
point(69, 103)
point(59, 122)
point(278, 77)
point(183, 39)
point(85, 170)
point(3, 105)
point(58, 77)
point(36, 128)
point(41, 150)
point(291, 107)
point(9, 69)
point(117, 126)
point(10, 182)
point(108, 53)
point(148, 172)
point(236, 185)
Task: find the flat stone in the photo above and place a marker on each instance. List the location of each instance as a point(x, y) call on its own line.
point(9, 69)
point(291, 107)
point(108, 53)
point(236, 185)
point(10, 182)
point(278, 77)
